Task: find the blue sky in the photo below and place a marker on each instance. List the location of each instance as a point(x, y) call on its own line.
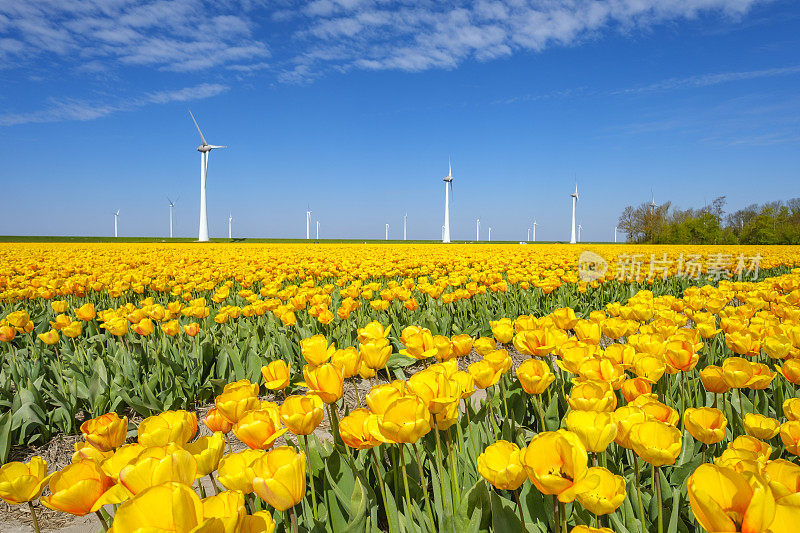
point(353, 107)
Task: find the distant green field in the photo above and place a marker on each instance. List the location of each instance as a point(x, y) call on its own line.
point(27, 238)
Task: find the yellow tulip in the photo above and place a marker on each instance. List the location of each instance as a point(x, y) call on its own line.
point(316, 350)
point(105, 432)
point(791, 370)
point(260, 428)
point(373, 331)
point(484, 373)
point(535, 376)
point(501, 465)
point(23, 482)
point(405, 420)
point(302, 414)
point(502, 330)
point(237, 399)
point(348, 359)
point(191, 329)
point(276, 375)
point(596, 429)
point(207, 452)
point(73, 330)
point(635, 387)
point(592, 396)
point(7, 333)
point(462, 345)
point(170, 328)
point(381, 397)
point(227, 507)
point(791, 409)
point(117, 326)
point(353, 431)
point(49, 337)
point(760, 426)
point(605, 491)
point(76, 488)
point(564, 318)
point(59, 306)
point(235, 470)
point(626, 418)
point(169, 427)
point(85, 451)
point(484, 345)
point(588, 331)
point(144, 327)
point(375, 353)
point(158, 465)
point(260, 522)
point(85, 312)
point(326, 381)
point(713, 379)
point(790, 436)
point(705, 424)
point(166, 507)
point(723, 500)
point(280, 477)
point(216, 422)
point(656, 442)
point(556, 462)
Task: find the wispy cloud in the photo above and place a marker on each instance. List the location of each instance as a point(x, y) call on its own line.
point(61, 109)
point(707, 80)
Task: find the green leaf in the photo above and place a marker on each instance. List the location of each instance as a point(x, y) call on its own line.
point(504, 516)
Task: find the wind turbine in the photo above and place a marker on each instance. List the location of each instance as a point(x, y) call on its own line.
point(529, 234)
point(308, 223)
point(653, 203)
point(490, 234)
point(116, 216)
point(387, 232)
point(534, 230)
point(574, 201)
point(405, 221)
point(448, 189)
point(317, 229)
point(478, 230)
point(171, 205)
point(230, 219)
point(579, 232)
point(615, 234)
point(205, 150)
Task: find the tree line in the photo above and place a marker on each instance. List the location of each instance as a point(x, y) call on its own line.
point(769, 223)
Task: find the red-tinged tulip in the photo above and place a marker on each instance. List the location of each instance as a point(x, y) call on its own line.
point(280, 477)
point(326, 381)
point(237, 399)
point(169, 427)
point(76, 488)
point(216, 422)
point(260, 428)
point(105, 432)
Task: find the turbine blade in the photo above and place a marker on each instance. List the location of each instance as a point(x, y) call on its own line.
point(198, 129)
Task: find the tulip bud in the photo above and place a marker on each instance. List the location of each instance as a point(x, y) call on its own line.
point(280, 477)
point(501, 465)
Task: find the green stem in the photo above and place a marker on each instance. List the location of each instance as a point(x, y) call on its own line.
point(311, 481)
point(424, 486)
point(439, 468)
point(563, 510)
point(519, 508)
point(33, 516)
point(405, 480)
point(453, 475)
point(381, 487)
point(638, 489)
point(657, 481)
point(292, 519)
point(540, 411)
point(102, 520)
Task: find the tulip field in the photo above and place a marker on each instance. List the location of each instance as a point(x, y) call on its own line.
point(402, 387)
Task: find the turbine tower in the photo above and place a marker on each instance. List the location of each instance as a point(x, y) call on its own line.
point(205, 150)
point(171, 205)
point(579, 232)
point(490, 234)
point(652, 203)
point(529, 234)
point(615, 234)
point(317, 229)
point(448, 189)
point(405, 221)
point(116, 216)
point(478, 230)
point(308, 223)
point(230, 219)
point(534, 230)
point(387, 232)
point(574, 201)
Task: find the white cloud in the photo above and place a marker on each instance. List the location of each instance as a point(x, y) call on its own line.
point(60, 109)
point(707, 80)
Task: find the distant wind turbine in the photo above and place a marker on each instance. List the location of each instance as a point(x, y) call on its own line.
point(529, 234)
point(534, 230)
point(317, 229)
point(448, 189)
point(579, 232)
point(308, 223)
point(171, 205)
point(205, 150)
point(574, 201)
point(478, 230)
point(490, 234)
point(405, 221)
point(615, 234)
point(116, 216)
point(387, 232)
point(230, 220)
point(653, 203)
